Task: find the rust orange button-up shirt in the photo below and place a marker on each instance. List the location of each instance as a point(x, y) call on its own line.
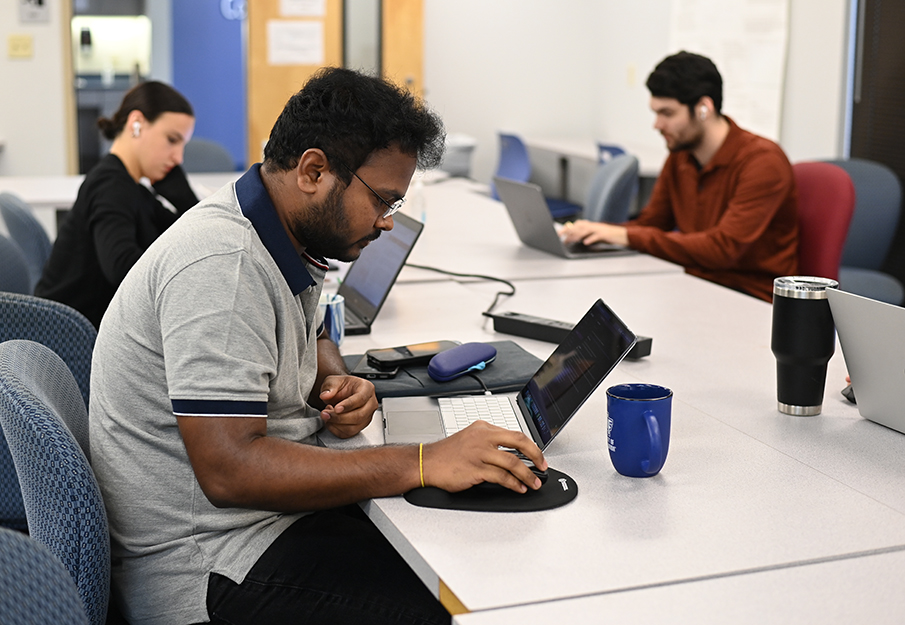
point(734, 221)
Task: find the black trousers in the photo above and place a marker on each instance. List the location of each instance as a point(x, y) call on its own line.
point(328, 567)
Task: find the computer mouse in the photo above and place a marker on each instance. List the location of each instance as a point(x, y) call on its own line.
point(541, 475)
point(849, 393)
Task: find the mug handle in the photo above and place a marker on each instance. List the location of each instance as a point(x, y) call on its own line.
point(656, 448)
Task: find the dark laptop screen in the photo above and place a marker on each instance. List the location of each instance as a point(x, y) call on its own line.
point(371, 277)
point(575, 369)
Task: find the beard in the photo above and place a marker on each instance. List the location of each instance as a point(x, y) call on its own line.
point(325, 230)
point(689, 141)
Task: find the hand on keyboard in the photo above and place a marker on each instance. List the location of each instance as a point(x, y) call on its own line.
point(473, 456)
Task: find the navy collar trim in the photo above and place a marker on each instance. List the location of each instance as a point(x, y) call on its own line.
point(258, 208)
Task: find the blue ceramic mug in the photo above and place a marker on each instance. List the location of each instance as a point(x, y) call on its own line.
point(333, 311)
point(638, 423)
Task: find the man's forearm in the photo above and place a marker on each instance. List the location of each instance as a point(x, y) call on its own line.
point(329, 362)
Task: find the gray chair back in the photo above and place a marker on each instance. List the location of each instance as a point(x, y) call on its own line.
point(878, 205)
point(40, 407)
point(15, 276)
point(36, 586)
point(204, 155)
point(27, 232)
point(612, 190)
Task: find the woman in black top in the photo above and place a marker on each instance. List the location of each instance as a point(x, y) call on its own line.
point(115, 217)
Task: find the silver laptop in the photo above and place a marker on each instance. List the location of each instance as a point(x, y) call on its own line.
point(534, 224)
point(370, 278)
point(545, 404)
point(872, 336)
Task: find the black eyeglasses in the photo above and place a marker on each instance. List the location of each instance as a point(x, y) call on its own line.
point(391, 208)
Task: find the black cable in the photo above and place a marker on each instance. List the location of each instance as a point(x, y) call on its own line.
point(471, 374)
point(472, 275)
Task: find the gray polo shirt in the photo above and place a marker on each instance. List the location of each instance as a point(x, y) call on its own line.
point(218, 318)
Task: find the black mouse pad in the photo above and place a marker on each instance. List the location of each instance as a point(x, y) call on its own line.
point(558, 490)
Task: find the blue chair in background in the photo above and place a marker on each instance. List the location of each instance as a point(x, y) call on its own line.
point(15, 276)
point(612, 190)
point(35, 587)
point(204, 155)
point(68, 333)
point(608, 151)
point(27, 232)
point(45, 422)
point(878, 205)
point(515, 164)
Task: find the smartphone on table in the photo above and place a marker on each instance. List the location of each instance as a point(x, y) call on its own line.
point(406, 355)
point(364, 369)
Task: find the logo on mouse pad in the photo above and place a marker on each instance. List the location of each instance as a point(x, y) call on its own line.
point(564, 482)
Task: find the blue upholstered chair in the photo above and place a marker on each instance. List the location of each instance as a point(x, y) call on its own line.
point(45, 422)
point(515, 164)
point(67, 333)
point(28, 233)
point(204, 155)
point(35, 587)
point(611, 191)
point(14, 272)
point(608, 151)
point(878, 205)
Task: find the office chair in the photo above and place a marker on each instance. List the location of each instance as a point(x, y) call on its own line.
point(826, 202)
point(15, 276)
point(878, 205)
point(515, 164)
point(204, 155)
point(608, 151)
point(68, 333)
point(36, 587)
point(612, 189)
point(40, 408)
point(27, 232)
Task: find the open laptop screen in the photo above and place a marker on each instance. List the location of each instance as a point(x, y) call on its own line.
point(370, 278)
point(575, 369)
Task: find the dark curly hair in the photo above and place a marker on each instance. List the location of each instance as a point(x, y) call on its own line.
point(687, 77)
point(152, 98)
point(349, 115)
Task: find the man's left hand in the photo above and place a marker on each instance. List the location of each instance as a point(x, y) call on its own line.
point(350, 403)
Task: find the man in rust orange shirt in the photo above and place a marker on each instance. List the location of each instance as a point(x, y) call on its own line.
point(725, 205)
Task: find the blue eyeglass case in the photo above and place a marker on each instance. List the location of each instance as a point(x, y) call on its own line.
point(458, 361)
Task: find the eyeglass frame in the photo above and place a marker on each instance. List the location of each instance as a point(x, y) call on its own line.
point(391, 208)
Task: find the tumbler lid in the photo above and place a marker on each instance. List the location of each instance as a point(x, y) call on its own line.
point(803, 287)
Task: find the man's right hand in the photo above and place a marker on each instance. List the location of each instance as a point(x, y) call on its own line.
point(473, 456)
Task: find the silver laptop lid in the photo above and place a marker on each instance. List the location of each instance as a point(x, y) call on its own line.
point(872, 337)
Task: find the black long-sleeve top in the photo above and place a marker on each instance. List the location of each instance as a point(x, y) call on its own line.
point(113, 221)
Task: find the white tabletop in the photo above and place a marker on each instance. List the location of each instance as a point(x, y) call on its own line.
point(744, 489)
point(852, 590)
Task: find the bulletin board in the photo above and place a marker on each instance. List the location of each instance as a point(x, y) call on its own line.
point(748, 41)
point(287, 41)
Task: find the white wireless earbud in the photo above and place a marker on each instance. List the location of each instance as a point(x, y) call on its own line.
point(703, 113)
point(136, 128)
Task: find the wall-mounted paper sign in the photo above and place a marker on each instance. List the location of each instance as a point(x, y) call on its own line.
point(295, 42)
point(303, 8)
point(34, 11)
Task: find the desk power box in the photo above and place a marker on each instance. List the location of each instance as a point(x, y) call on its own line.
point(552, 331)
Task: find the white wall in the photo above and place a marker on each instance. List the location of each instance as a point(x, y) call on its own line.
point(576, 68)
point(34, 102)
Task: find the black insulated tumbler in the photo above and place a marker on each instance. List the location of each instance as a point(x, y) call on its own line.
point(803, 342)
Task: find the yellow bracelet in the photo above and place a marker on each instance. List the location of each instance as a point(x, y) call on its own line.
point(421, 462)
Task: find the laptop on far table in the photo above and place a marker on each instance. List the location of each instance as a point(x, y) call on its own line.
point(370, 278)
point(535, 227)
point(872, 336)
point(545, 404)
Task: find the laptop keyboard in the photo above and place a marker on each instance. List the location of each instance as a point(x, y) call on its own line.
point(459, 412)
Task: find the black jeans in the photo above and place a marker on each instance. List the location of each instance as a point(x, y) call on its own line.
point(328, 567)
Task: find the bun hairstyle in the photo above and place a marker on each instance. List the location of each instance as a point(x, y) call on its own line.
point(152, 99)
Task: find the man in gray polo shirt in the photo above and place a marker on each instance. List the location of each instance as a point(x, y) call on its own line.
point(211, 377)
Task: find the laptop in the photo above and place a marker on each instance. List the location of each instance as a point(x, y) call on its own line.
point(534, 225)
point(370, 278)
point(872, 336)
point(542, 407)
